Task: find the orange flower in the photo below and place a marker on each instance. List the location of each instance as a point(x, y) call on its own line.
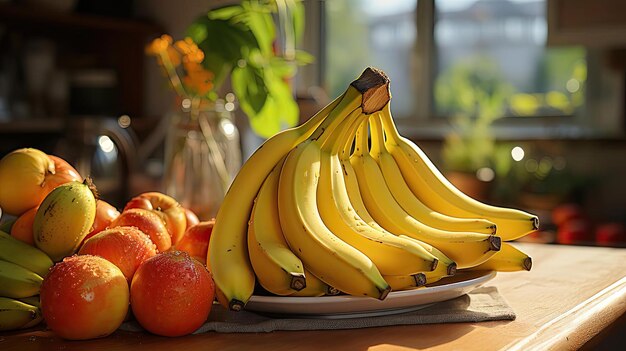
point(159, 45)
point(190, 51)
point(198, 79)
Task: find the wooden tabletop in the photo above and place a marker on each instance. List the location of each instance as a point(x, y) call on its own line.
point(571, 295)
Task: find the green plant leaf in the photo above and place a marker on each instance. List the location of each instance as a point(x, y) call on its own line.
point(282, 67)
point(249, 86)
point(304, 58)
point(222, 43)
point(262, 27)
point(297, 13)
point(226, 12)
point(265, 98)
point(280, 110)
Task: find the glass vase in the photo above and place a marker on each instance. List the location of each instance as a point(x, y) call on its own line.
point(202, 156)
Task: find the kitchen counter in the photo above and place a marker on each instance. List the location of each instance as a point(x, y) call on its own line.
point(573, 294)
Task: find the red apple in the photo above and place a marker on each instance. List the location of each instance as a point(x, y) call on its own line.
point(165, 206)
point(575, 231)
point(196, 240)
point(28, 175)
point(192, 218)
point(105, 214)
point(148, 222)
point(125, 247)
point(84, 297)
point(565, 213)
point(611, 234)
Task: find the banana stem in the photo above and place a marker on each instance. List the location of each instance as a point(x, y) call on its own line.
point(339, 133)
point(369, 92)
point(378, 138)
point(390, 128)
point(348, 135)
point(362, 144)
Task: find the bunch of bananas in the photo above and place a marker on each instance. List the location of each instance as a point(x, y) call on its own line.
point(21, 270)
point(319, 209)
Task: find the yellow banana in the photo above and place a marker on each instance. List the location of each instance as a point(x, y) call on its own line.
point(35, 302)
point(18, 282)
point(508, 259)
point(277, 269)
point(64, 218)
point(22, 254)
point(405, 282)
point(390, 254)
point(467, 249)
point(435, 191)
point(408, 201)
point(324, 254)
point(32, 300)
point(15, 314)
point(446, 267)
point(315, 287)
point(227, 256)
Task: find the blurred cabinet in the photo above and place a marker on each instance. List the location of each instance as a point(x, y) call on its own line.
point(88, 48)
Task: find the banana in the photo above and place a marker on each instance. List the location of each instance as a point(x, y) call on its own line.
point(408, 201)
point(508, 259)
point(315, 287)
point(15, 314)
point(446, 268)
point(18, 282)
point(64, 218)
point(436, 192)
point(390, 254)
point(227, 256)
point(32, 300)
point(326, 256)
point(22, 254)
point(277, 269)
point(35, 302)
point(467, 249)
point(404, 282)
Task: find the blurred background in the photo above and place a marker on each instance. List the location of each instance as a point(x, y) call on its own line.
point(520, 102)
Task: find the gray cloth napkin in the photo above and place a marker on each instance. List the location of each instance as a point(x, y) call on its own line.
point(482, 304)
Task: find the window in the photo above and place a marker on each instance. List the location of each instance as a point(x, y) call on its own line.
point(439, 51)
point(501, 45)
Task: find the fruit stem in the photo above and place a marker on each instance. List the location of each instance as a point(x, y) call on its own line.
point(298, 281)
point(528, 263)
point(495, 243)
point(92, 187)
point(235, 305)
point(420, 279)
point(451, 269)
point(373, 84)
point(362, 144)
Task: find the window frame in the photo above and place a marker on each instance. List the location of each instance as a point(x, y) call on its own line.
point(602, 116)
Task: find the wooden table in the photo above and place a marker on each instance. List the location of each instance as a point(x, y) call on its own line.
point(572, 295)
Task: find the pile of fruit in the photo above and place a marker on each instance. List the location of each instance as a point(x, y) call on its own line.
point(150, 257)
point(321, 209)
point(316, 210)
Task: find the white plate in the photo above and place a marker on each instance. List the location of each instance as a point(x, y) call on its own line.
point(346, 306)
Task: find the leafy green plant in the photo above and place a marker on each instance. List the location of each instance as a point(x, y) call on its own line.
point(240, 42)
